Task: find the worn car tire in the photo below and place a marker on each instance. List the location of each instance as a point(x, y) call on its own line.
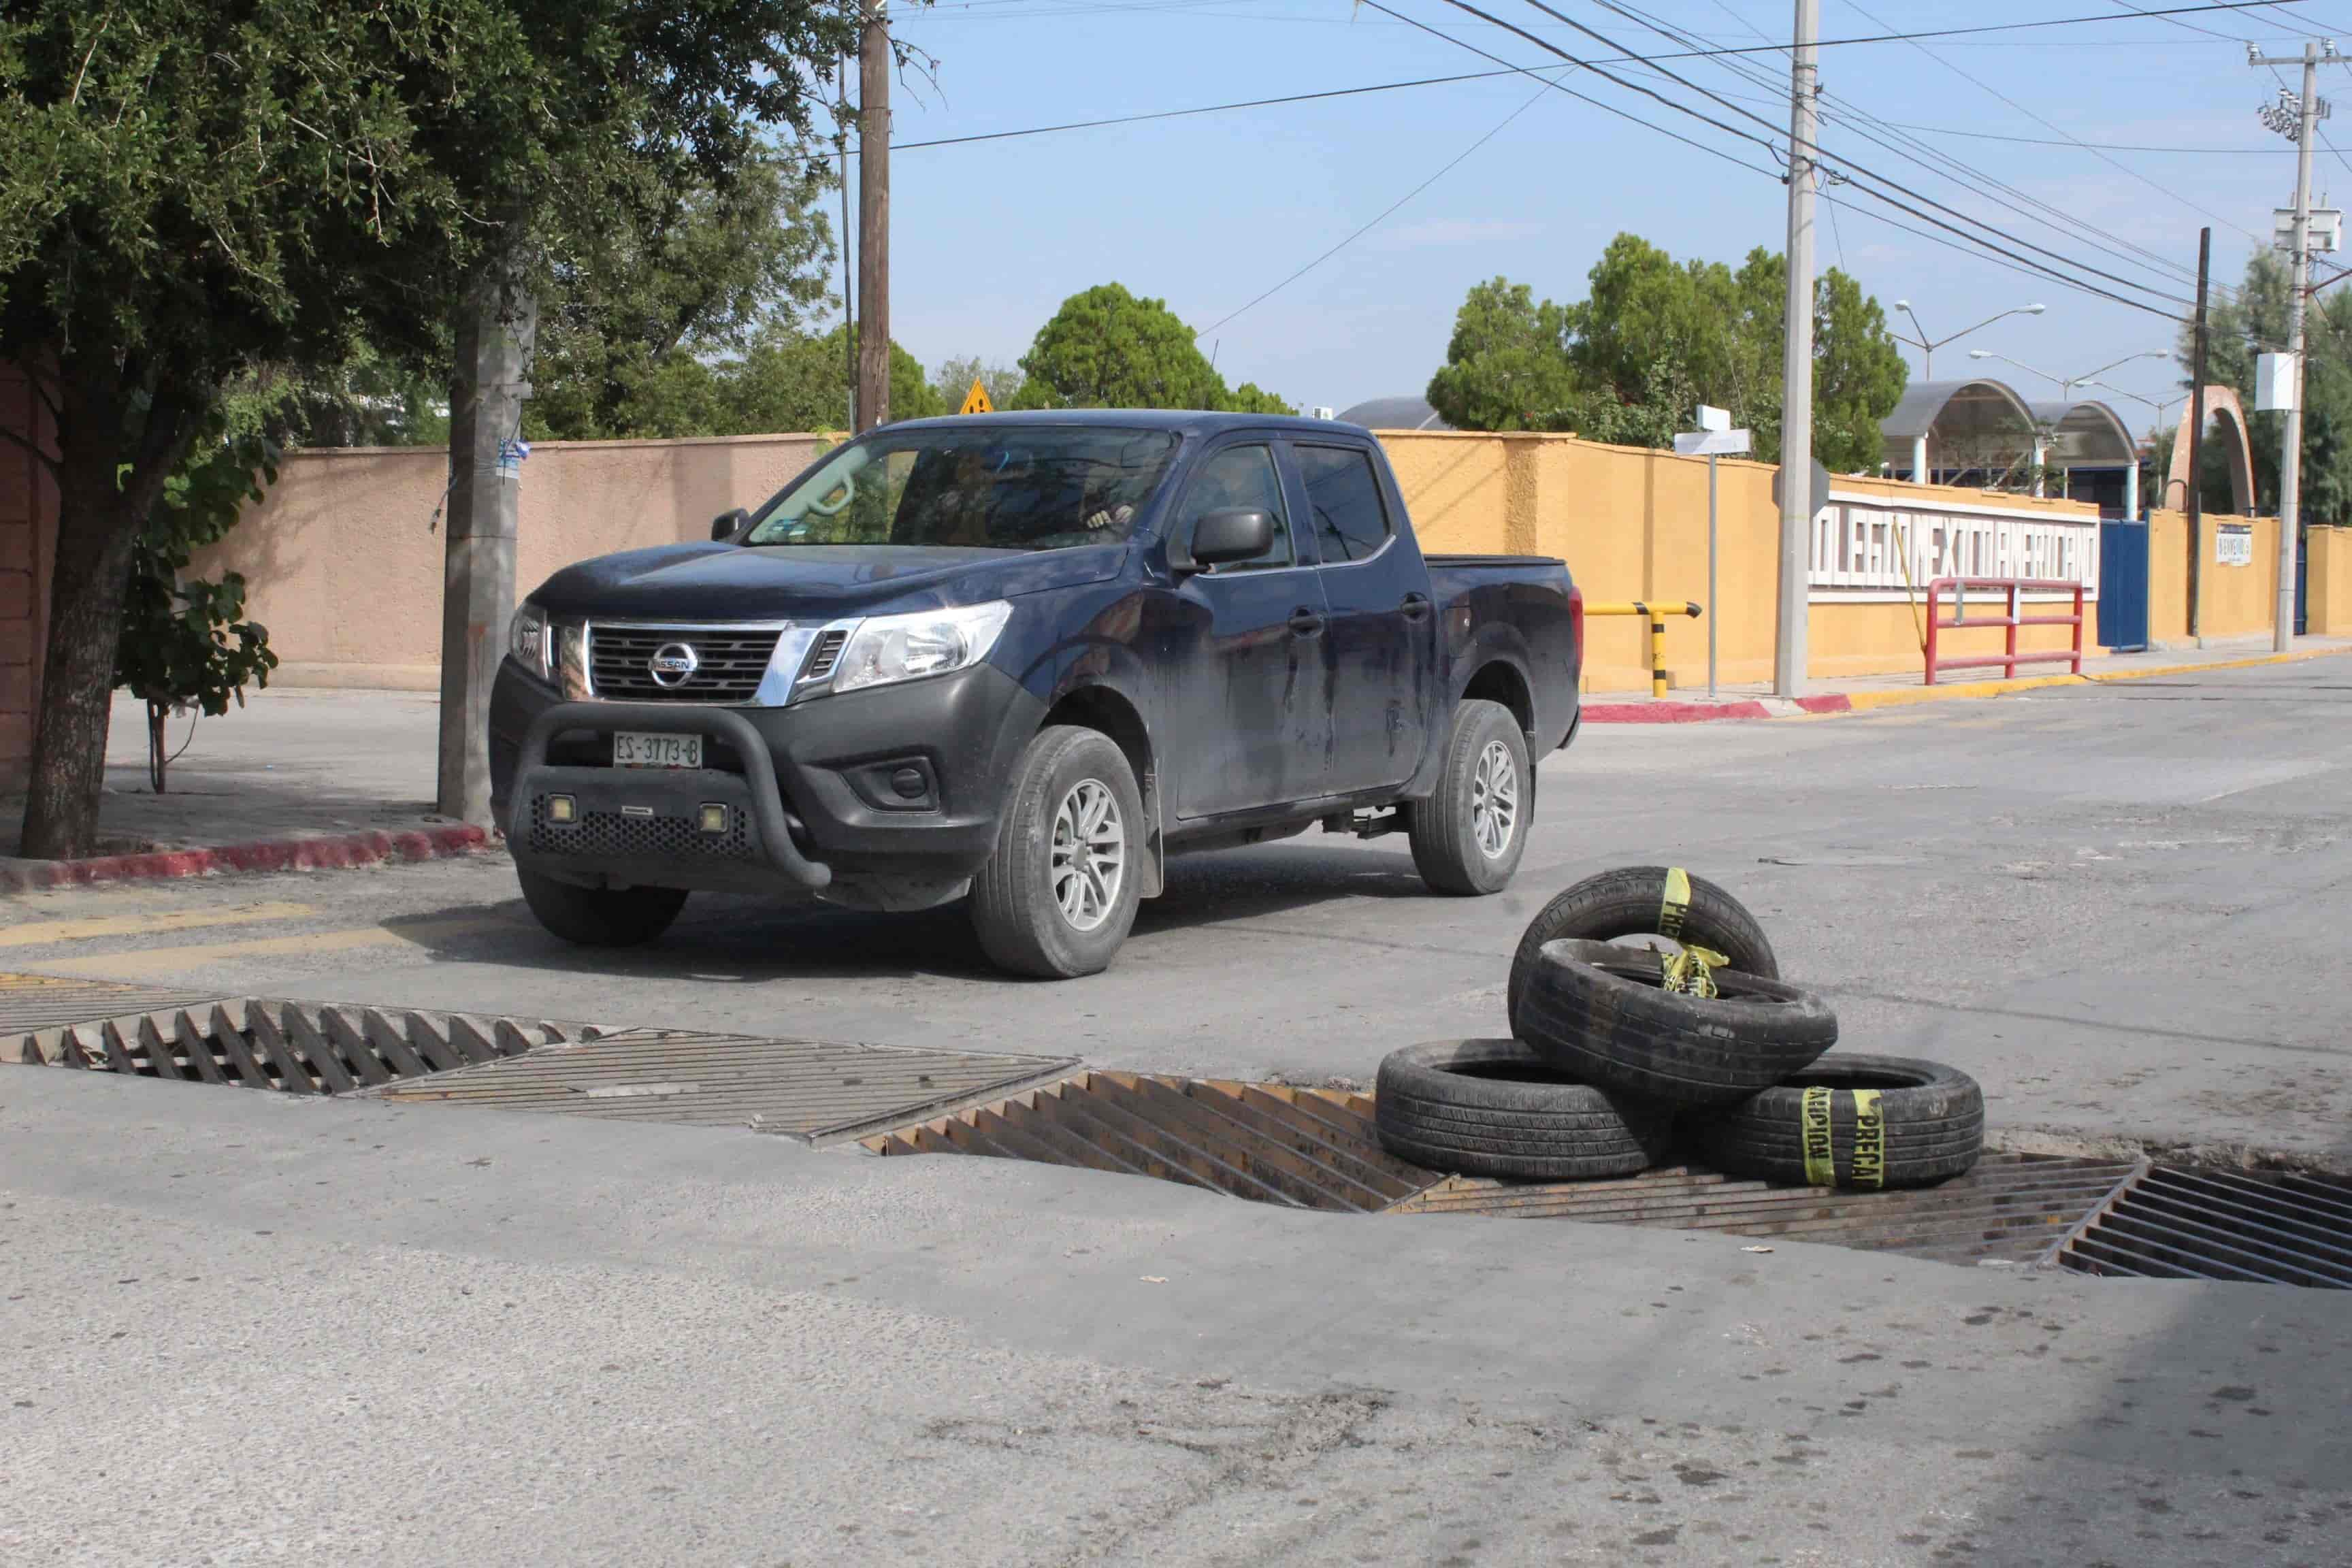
point(1597, 1012)
point(600, 916)
point(1017, 910)
point(1640, 901)
point(1931, 1126)
point(1452, 829)
point(1492, 1108)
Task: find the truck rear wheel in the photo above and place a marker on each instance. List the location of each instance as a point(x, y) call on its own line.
point(600, 916)
point(1468, 836)
point(1059, 895)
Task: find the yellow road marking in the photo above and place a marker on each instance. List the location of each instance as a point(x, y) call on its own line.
point(43, 934)
point(154, 959)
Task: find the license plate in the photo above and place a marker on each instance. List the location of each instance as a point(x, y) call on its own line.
point(635, 749)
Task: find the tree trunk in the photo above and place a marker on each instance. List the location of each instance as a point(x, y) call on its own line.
point(110, 470)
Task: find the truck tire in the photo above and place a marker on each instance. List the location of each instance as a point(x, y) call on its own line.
point(1058, 895)
point(1492, 1108)
point(1929, 1126)
point(1646, 901)
point(1598, 1014)
point(1468, 836)
point(600, 916)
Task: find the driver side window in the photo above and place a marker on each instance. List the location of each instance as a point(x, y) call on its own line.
point(1240, 477)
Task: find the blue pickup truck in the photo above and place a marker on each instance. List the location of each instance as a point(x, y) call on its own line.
point(1024, 658)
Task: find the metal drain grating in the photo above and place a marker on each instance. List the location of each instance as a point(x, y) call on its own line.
point(289, 1045)
point(816, 1090)
point(2276, 1229)
point(32, 1002)
point(1271, 1143)
point(2011, 1209)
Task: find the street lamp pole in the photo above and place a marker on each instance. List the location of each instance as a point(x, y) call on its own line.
point(1928, 346)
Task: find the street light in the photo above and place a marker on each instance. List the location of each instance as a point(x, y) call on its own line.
point(1927, 345)
point(2067, 383)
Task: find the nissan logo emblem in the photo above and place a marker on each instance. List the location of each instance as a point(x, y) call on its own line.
point(672, 664)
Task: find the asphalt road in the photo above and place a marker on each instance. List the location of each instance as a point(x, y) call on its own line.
point(2122, 908)
point(245, 1327)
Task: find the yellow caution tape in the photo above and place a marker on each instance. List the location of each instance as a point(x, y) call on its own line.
point(1690, 973)
point(1813, 1125)
point(1676, 904)
point(1869, 1140)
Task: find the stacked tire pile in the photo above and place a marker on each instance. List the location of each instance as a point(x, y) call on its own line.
point(1620, 1061)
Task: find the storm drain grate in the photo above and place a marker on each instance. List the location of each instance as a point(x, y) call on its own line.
point(2011, 1209)
point(291, 1046)
point(2266, 1229)
point(1316, 1149)
point(1268, 1142)
point(816, 1090)
point(32, 1002)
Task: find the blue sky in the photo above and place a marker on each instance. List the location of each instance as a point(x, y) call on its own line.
point(1208, 212)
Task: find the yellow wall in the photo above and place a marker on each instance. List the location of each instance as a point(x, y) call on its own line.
point(2329, 601)
point(1631, 524)
point(2238, 600)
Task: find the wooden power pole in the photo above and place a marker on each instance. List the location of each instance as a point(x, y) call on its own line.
point(2196, 436)
point(874, 219)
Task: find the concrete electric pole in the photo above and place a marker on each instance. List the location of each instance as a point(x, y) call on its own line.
point(2308, 113)
point(874, 219)
point(1797, 499)
point(494, 328)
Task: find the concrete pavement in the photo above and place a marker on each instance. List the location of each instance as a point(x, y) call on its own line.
point(243, 1327)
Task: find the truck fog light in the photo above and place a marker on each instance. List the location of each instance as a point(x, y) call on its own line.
point(561, 809)
point(714, 819)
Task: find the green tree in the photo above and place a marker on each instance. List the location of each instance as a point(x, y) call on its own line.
point(2241, 328)
point(1105, 348)
point(195, 190)
point(1652, 338)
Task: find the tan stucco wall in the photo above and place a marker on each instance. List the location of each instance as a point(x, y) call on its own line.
point(1631, 524)
point(2328, 602)
point(344, 559)
point(28, 518)
point(2238, 600)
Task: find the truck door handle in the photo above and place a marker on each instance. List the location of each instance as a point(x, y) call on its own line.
point(1415, 606)
point(1304, 622)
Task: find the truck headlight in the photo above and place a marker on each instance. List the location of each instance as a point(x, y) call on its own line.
point(887, 648)
point(531, 641)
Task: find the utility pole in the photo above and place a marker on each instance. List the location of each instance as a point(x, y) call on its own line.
point(2196, 497)
point(2308, 114)
point(1797, 499)
point(874, 219)
point(496, 324)
point(848, 289)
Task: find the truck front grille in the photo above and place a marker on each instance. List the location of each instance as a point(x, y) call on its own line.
point(728, 664)
point(608, 834)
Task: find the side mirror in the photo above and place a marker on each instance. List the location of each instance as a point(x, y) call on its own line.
point(728, 525)
point(1232, 533)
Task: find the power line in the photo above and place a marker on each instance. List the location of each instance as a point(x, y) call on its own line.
point(1975, 180)
point(1848, 169)
point(1385, 211)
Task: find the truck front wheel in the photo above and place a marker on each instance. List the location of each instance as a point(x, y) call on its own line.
point(1058, 897)
point(1468, 836)
point(600, 917)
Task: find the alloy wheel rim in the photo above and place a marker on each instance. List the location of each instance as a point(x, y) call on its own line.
point(1495, 800)
point(1089, 854)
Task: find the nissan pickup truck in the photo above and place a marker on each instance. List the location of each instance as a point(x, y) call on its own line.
point(1023, 659)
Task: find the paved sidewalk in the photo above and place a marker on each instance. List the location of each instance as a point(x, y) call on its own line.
point(1855, 694)
point(307, 776)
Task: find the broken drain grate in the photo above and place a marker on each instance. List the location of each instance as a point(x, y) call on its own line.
point(1316, 1149)
point(32, 1002)
point(290, 1045)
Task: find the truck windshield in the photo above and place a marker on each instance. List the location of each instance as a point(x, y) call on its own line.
point(1002, 488)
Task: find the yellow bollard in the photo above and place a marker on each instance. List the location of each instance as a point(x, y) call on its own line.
point(1657, 616)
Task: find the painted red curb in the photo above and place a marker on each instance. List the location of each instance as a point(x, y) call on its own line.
point(1670, 713)
point(1702, 712)
point(275, 855)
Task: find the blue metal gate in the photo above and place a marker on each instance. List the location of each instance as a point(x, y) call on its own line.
point(2302, 581)
point(2123, 586)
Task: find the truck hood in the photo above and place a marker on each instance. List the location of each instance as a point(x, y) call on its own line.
point(808, 581)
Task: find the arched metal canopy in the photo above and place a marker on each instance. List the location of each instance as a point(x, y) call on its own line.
point(1974, 424)
point(2087, 434)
